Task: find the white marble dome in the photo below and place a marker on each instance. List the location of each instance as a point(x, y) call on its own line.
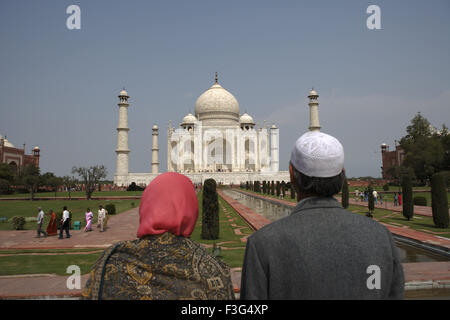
point(123, 93)
point(189, 119)
point(6, 142)
point(246, 119)
point(217, 103)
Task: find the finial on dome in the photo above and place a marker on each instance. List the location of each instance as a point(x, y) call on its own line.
point(217, 78)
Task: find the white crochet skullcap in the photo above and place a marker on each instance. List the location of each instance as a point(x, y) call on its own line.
point(317, 154)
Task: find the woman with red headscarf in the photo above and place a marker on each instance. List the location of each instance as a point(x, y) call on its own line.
point(163, 263)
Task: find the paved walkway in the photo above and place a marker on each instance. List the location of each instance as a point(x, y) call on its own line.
point(120, 227)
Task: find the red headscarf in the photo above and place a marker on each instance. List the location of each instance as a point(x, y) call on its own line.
point(168, 204)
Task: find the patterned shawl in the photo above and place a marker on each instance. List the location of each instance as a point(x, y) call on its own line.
point(159, 267)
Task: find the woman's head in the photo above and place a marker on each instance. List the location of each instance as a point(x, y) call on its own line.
point(168, 204)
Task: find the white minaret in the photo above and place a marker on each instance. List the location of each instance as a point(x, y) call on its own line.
point(313, 111)
point(274, 157)
point(155, 163)
point(122, 136)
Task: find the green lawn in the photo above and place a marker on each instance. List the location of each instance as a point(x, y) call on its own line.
point(74, 194)
point(419, 223)
point(39, 264)
point(78, 208)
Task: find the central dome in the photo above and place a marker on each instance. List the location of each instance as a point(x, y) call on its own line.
point(217, 103)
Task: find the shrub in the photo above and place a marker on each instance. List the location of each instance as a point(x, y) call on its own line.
point(134, 187)
point(111, 208)
point(278, 188)
point(5, 187)
point(210, 211)
point(439, 201)
point(386, 187)
point(345, 193)
point(283, 188)
point(272, 188)
point(371, 200)
point(407, 197)
point(420, 201)
point(18, 222)
point(264, 187)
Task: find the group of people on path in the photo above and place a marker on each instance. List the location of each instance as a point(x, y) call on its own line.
point(319, 251)
point(64, 223)
point(364, 196)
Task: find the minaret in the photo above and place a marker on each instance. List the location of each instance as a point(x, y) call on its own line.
point(122, 135)
point(274, 155)
point(155, 163)
point(313, 111)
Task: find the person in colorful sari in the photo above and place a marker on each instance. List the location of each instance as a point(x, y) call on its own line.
point(89, 217)
point(52, 228)
point(163, 263)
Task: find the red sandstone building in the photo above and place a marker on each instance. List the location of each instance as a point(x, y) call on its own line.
point(16, 157)
point(391, 158)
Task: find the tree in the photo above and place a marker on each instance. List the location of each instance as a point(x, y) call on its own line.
point(407, 197)
point(371, 200)
point(283, 188)
point(345, 193)
point(90, 177)
point(278, 189)
point(272, 188)
point(6, 172)
point(424, 148)
point(210, 211)
point(49, 179)
point(30, 178)
point(439, 201)
point(69, 182)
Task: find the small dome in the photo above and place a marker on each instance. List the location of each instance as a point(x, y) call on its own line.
point(6, 142)
point(246, 119)
point(36, 148)
point(123, 93)
point(155, 127)
point(189, 119)
point(313, 93)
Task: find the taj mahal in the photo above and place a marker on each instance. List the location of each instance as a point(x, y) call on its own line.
point(217, 141)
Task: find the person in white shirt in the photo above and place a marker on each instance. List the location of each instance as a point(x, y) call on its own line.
point(65, 223)
point(101, 217)
point(40, 222)
point(375, 196)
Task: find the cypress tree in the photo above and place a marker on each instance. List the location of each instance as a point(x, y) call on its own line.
point(272, 188)
point(345, 193)
point(407, 197)
point(278, 189)
point(371, 201)
point(210, 211)
point(247, 186)
point(264, 187)
point(439, 201)
point(283, 188)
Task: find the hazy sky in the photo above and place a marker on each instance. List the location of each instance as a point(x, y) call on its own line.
point(59, 87)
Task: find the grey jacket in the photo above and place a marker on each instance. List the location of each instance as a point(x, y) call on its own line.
point(321, 251)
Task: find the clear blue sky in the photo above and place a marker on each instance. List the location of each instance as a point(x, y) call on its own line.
point(59, 87)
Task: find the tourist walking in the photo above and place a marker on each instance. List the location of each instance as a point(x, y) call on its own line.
point(89, 217)
point(163, 263)
point(381, 198)
point(52, 228)
point(65, 223)
point(101, 217)
point(399, 198)
point(321, 250)
point(395, 199)
point(375, 196)
point(40, 222)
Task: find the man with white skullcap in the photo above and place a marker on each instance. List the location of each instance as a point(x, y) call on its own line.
point(321, 250)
